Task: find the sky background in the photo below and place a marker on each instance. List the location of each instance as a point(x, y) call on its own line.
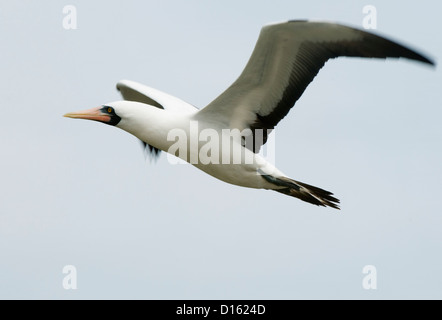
point(81, 193)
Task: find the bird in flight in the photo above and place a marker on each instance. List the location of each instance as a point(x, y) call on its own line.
point(224, 138)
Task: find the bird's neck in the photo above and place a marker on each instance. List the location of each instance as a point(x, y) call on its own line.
point(152, 125)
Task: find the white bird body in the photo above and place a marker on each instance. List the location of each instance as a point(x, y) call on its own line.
point(285, 60)
point(153, 126)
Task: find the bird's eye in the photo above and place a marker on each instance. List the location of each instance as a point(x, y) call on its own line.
point(109, 110)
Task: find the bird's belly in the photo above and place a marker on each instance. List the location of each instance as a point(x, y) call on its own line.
point(231, 162)
point(241, 174)
point(234, 174)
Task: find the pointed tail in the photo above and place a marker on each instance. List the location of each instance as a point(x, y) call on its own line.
point(303, 191)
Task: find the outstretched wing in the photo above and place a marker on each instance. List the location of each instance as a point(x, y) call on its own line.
point(286, 58)
point(134, 91)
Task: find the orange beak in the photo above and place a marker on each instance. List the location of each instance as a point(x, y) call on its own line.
point(92, 114)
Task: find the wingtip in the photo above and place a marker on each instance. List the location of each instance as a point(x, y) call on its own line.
point(429, 61)
point(120, 84)
point(123, 83)
point(414, 55)
point(418, 56)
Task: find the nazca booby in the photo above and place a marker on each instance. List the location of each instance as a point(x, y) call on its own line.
point(286, 58)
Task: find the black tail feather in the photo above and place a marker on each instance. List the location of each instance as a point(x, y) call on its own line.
point(305, 192)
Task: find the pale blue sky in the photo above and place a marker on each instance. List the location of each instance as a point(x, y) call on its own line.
point(81, 193)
